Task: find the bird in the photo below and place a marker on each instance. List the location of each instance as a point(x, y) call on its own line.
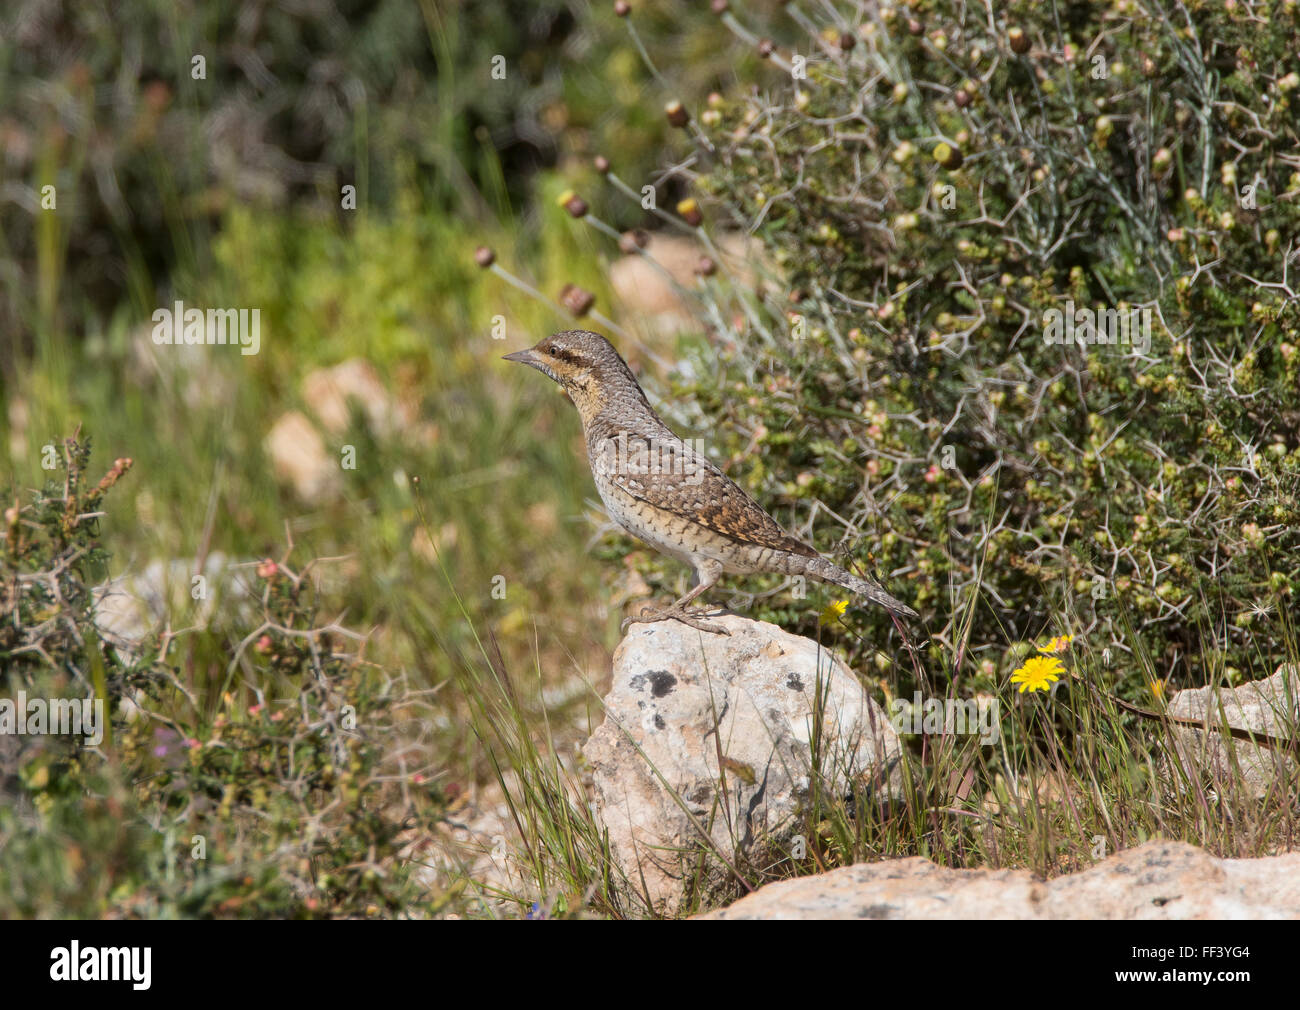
point(668, 494)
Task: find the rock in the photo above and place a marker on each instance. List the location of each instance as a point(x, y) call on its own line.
point(1270, 706)
point(297, 447)
point(331, 393)
point(300, 459)
point(130, 608)
point(645, 293)
point(1157, 880)
point(19, 419)
point(659, 301)
point(679, 697)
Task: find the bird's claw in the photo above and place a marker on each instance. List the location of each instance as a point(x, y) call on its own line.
point(676, 614)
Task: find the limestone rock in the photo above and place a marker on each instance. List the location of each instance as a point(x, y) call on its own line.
point(300, 459)
point(202, 376)
point(331, 393)
point(476, 843)
point(131, 607)
point(682, 700)
point(297, 447)
point(657, 301)
point(1270, 706)
point(1157, 880)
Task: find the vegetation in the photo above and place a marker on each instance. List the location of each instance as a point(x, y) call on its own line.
point(925, 183)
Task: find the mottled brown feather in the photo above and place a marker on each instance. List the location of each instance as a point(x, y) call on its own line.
point(715, 525)
point(662, 471)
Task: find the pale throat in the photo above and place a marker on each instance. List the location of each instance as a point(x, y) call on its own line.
point(586, 398)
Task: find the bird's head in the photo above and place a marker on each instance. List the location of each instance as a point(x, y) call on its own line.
point(585, 365)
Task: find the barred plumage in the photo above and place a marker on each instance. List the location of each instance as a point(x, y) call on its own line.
point(667, 493)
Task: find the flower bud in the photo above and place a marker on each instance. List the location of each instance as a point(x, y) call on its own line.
point(631, 241)
point(576, 300)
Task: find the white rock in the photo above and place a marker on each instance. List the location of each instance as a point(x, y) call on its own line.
point(131, 607)
point(300, 459)
point(682, 698)
point(658, 302)
point(1270, 706)
point(331, 393)
point(1157, 880)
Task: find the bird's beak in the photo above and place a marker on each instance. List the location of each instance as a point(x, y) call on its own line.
point(534, 359)
point(527, 356)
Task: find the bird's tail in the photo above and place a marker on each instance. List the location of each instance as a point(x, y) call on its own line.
point(820, 568)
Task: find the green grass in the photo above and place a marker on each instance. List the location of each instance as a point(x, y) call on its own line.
point(488, 487)
point(1074, 777)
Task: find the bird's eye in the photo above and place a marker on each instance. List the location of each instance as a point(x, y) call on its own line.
point(565, 354)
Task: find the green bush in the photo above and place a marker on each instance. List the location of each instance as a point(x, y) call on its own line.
point(146, 150)
point(935, 185)
point(297, 791)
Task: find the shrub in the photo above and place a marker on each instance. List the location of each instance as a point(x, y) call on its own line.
point(297, 787)
point(936, 185)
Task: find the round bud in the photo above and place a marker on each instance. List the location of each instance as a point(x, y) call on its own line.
point(576, 300)
point(574, 204)
point(948, 156)
point(631, 241)
point(690, 212)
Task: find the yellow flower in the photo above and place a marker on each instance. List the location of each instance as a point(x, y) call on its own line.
point(1038, 673)
point(833, 612)
point(1058, 644)
point(1157, 687)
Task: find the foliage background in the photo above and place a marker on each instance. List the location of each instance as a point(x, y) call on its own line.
point(1172, 479)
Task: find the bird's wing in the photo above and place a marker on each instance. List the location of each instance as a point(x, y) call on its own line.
point(671, 475)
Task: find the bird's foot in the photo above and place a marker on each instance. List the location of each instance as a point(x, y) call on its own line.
point(690, 618)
